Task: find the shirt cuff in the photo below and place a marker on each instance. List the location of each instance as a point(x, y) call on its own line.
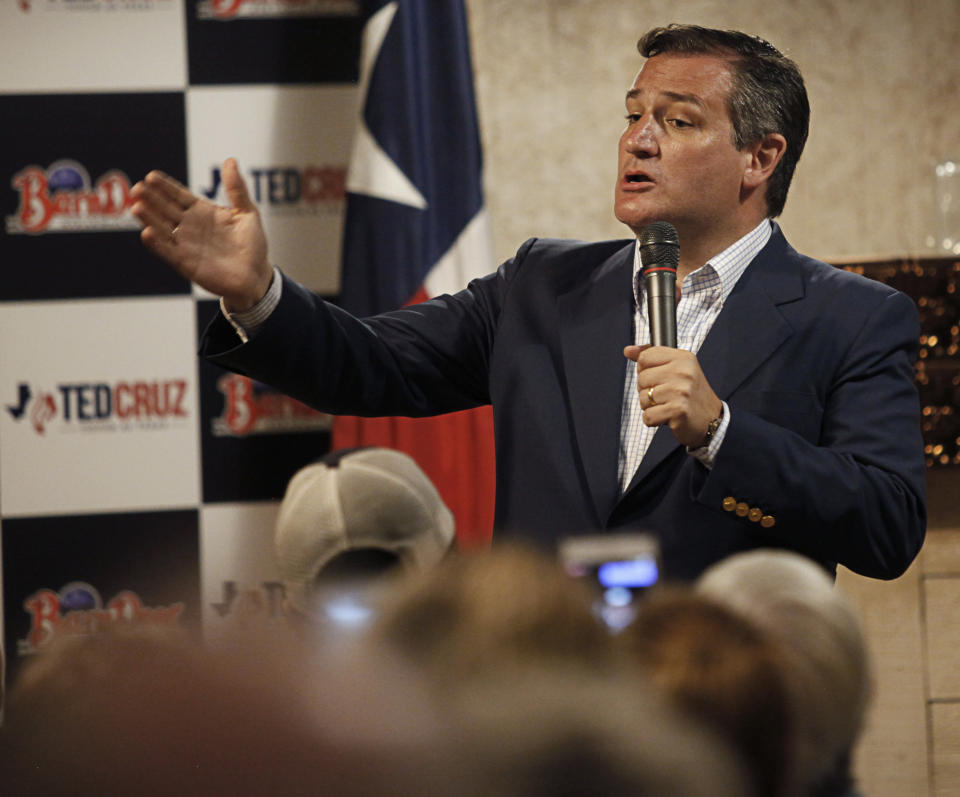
point(247, 323)
point(707, 454)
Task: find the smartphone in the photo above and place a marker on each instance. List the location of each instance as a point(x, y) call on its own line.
point(621, 568)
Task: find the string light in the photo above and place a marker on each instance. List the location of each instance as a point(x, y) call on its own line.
point(932, 283)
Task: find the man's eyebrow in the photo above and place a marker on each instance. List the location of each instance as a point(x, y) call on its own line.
point(675, 96)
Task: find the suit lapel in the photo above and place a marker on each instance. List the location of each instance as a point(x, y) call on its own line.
point(595, 323)
point(747, 332)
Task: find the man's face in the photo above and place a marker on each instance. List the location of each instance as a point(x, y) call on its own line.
point(678, 162)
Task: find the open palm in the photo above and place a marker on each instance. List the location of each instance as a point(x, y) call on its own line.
point(221, 249)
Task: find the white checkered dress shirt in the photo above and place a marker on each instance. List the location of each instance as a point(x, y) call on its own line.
point(702, 295)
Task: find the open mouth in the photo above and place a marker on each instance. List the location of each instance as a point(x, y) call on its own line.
point(638, 178)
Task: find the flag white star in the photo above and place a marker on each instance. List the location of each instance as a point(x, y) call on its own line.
point(372, 171)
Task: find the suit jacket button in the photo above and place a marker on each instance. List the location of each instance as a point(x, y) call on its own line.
point(755, 514)
point(742, 509)
point(729, 503)
point(768, 521)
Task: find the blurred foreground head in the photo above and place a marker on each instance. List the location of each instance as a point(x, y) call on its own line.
point(796, 603)
point(723, 670)
point(355, 515)
point(146, 712)
point(511, 651)
point(510, 607)
point(574, 734)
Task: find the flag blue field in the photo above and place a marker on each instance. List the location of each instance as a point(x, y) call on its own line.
point(416, 226)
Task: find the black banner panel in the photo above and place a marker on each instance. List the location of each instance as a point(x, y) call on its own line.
point(253, 438)
point(238, 41)
point(69, 163)
point(79, 574)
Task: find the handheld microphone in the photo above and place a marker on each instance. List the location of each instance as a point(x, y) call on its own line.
point(659, 256)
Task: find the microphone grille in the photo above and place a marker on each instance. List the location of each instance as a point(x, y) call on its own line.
point(659, 245)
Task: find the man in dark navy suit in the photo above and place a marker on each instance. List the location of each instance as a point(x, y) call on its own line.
point(787, 416)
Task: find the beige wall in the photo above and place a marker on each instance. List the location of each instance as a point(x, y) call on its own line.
point(883, 79)
point(911, 745)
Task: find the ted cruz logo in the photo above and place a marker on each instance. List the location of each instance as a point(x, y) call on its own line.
point(226, 10)
point(246, 602)
point(61, 198)
point(98, 406)
point(254, 408)
point(310, 190)
point(77, 609)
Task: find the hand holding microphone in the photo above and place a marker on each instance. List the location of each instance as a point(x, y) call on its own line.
point(673, 389)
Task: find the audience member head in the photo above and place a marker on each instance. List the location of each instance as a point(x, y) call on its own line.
point(827, 664)
point(147, 711)
point(510, 607)
point(724, 671)
point(510, 646)
point(354, 516)
point(568, 734)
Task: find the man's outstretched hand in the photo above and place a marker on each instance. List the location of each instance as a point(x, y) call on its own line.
point(221, 249)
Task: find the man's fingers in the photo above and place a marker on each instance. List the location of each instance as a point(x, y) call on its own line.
point(654, 394)
point(652, 356)
point(173, 191)
point(633, 352)
point(149, 216)
point(160, 243)
point(235, 186)
point(154, 208)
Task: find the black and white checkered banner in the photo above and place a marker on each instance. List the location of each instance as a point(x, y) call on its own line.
point(137, 484)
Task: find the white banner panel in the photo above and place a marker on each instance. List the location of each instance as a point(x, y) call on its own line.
point(99, 406)
point(92, 45)
point(293, 146)
point(240, 586)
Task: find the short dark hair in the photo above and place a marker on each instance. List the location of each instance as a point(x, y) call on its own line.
point(768, 94)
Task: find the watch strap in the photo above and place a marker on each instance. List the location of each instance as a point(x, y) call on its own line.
point(712, 428)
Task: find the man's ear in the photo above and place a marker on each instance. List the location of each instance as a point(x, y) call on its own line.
point(762, 158)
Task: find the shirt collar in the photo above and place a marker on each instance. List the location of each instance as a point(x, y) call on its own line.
point(728, 265)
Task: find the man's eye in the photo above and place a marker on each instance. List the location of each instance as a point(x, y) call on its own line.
point(679, 123)
point(633, 117)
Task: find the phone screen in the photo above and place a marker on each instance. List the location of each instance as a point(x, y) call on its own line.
point(620, 566)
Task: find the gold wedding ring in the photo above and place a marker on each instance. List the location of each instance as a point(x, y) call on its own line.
point(653, 401)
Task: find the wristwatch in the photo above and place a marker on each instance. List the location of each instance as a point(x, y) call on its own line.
point(712, 429)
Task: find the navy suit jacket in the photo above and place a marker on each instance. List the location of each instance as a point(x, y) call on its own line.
point(816, 364)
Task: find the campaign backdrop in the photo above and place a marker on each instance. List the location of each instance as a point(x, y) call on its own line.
point(138, 484)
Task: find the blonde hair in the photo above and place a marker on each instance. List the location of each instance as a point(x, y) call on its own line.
point(828, 667)
point(725, 671)
point(509, 607)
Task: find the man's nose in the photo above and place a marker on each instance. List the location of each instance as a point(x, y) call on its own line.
point(642, 138)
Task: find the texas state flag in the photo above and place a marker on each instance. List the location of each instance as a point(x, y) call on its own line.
point(416, 225)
